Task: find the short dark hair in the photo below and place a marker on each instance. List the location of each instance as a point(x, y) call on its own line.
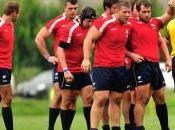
point(88, 13)
point(71, 1)
point(10, 7)
point(146, 3)
point(109, 3)
point(132, 4)
point(125, 3)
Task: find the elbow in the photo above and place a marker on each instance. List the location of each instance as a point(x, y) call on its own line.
point(37, 40)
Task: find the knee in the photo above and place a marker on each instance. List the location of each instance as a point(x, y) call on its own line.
point(100, 101)
point(159, 98)
point(68, 103)
point(88, 100)
point(115, 99)
point(6, 101)
point(142, 98)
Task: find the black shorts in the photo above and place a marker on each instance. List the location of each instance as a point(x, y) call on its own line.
point(5, 76)
point(173, 68)
point(148, 72)
point(130, 79)
point(55, 74)
point(113, 79)
point(80, 81)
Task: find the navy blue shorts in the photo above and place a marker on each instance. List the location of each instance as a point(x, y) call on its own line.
point(130, 79)
point(113, 79)
point(173, 68)
point(55, 74)
point(80, 80)
point(148, 72)
point(5, 76)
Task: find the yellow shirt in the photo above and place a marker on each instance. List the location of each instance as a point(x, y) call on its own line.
point(171, 34)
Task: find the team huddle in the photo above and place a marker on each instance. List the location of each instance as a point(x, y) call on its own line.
point(112, 62)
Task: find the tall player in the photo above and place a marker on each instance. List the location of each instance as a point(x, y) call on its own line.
point(71, 76)
point(52, 29)
point(109, 67)
point(7, 37)
point(145, 39)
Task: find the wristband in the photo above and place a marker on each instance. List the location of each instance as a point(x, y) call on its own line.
point(65, 69)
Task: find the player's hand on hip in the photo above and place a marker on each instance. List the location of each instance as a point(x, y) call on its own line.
point(137, 58)
point(52, 59)
point(68, 76)
point(86, 65)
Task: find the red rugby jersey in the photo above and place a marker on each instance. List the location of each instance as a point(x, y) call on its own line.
point(128, 60)
point(110, 48)
point(145, 37)
point(6, 44)
point(54, 26)
point(74, 34)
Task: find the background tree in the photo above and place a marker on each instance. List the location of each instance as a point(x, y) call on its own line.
point(34, 15)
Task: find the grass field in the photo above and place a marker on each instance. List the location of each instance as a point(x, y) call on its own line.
point(30, 114)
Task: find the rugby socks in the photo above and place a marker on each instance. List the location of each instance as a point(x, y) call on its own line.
point(131, 114)
point(93, 129)
point(140, 128)
point(162, 114)
point(106, 127)
point(130, 127)
point(67, 118)
point(116, 128)
point(53, 114)
point(87, 111)
point(7, 117)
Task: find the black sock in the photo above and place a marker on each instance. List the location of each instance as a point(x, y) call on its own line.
point(106, 127)
point(162, 114)
point(93, 129)
point(87, 111)
point(53, 113)
point(131, 114)
point(8, 117)
point(129, 127)
point(116, 128)
point(67, 118)
point(140, 128)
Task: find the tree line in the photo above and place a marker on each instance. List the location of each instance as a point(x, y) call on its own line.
point(34, 15)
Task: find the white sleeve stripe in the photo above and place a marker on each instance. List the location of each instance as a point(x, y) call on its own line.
point(106, 23)
point(55, 22)
point(2, 21)
point(71, 31)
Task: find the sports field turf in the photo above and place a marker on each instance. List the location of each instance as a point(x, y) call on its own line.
point(32, 115)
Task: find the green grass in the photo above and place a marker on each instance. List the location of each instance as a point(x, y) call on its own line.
point(30, 114)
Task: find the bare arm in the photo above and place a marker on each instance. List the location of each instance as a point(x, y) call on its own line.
point(61, 57)
point(136, 58)
point(40, 41)
point(89, 41)
point(164, 49)
point(62, 61)
point(92, 36)
point(168, 15)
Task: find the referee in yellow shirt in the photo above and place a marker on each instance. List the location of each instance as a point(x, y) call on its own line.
point(170, 36)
